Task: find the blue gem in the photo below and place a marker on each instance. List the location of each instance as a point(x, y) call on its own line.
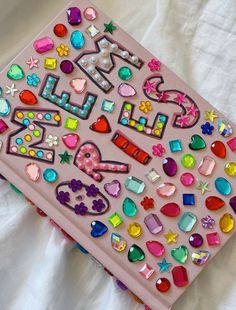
point(142, 120)
point(83, 250)
point(40, 154)
point(175, 146)
point(124, 121)
point(188, 199)
point(50, 175)
point(223, 186)
point(98, 229)
point(5, 107)
point(108, 106)
point(77, 39)
point(164, 266)
point(19, 141)
point(48, 116)
point(26, 122)
point(162, 118)
point(187, 221)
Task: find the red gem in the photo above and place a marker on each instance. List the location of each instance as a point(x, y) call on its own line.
point(147, 203)
point(171, 209)
point(214, 203)
point(41, 213)
point(218, 148)
point(101, 125)
point(163, 285)
point(60, 30)
point(66, 235)
point(180, 276)
point(27, 97)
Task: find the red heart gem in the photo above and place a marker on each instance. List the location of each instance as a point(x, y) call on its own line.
point(27, 97)
point(101, 125)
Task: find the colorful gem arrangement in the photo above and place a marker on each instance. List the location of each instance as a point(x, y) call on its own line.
point(149, 166)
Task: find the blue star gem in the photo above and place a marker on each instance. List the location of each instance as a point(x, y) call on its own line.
point(164, 266)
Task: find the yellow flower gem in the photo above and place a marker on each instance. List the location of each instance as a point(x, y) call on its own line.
point(145, 106)
point(62, 50)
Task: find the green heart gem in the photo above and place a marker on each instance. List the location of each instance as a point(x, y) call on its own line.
point(197, 143)
point(180, 254)
point(135, 254)
point(129, 207)
point(15, 73)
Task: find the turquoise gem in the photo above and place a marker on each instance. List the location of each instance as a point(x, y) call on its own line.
point(77, 39)
point(223, 186)
point(50, 175)
point(175, 146)
point(129, 207)
point(5, 107)
point(142, 120)
point(134, 185)
point(40, 154)
point(19, 141)
point(108, 106)
point(26, 122)
point(48, 116)
point(187, 221)
point(124, 121)
point(91, 99)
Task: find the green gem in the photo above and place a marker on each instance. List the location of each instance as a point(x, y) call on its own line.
point(115, 219)
point(135, 254)
point(125, 73)
point(129, 207)
point(188, 161)
point(134, 185)
point(197, 143)
point(128, 106)
point(15, 73)
point(71, 123)
point(180, 254)
point(65, 158)
point(109, 27)
point(15, 189)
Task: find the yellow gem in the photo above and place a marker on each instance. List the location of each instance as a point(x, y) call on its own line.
point(171, 237)
point(134, 230)
point(132, 123)
point(50, 63)
point(157, 132)
point(23, 149)
point(71, 123)
point(230, 169)
point(32, 153)
point(62, 50)
point(210, 116)
point(57, 118)
point(226, 223)
point(188, 161)
point(36, 133)
point(28, 138)
point(19, 115)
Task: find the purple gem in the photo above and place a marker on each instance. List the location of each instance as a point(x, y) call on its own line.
point(121, 285)
point(63, 197)
point(196, 240)
point(232, 203)
point(170, 167)
point(67, 66)
point(92, 190)
point(98, 205)
point(153, 224)
point(75, 185)
point(74, 16)
point(81, 209)
point(113, 188)
point(208, 222)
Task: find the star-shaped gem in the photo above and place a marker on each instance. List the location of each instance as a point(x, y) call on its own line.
point(164, 266)
point(171, 237)
point(109, 27)
point(180, 98)
point(150, 87)
point(11, 90)
point(32, 63)
point(210, 116)
point(183, 121)
point(203, 187)
point(192, 110)
point(65, 158)
point(162, 97)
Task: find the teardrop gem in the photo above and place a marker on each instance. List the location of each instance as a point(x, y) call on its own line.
point(218, 149)
point(118, 242)
point(129, 207)
point(27, 97)
point(170, 209)
point(214, 203)
point(135, 254)
point(166, 190)
point(226, 223)
point(230, 169)
point(155, 248)
point(170, 166)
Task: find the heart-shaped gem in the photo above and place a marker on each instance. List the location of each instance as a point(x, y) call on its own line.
point(129, 207)
point(113, 188)
point(218, 148)
point(180, 254)
point(27, 97)
point(197, 143)
point(101, 125)
point(201, 257)
point(15, 73)
point(155, 248)
point(135, 254)
point(98, 229)
point(71, 140)
point(214, 203)
point(78, 85)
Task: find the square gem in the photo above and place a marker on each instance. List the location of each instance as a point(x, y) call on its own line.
point(92, 31)
point(175, 146)
point(50, 63)
point(115, 219)
point(3, 126)
point(146, 271)
point(108, 106)
point(188, 199)
point(213, 239)
point(71, 123)
point(152, 176)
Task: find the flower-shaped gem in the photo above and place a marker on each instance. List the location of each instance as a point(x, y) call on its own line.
point(52, 140)
point(63, 197)
point(62, 50)
point(92, 190)
point(75, 185)
point(98, 205)
point(147, 203)
point(158, 150)
point(33, 80)
point(154, 65)
point(81, 209)
point(207, 129)
point(207, 222)
point(145, 106)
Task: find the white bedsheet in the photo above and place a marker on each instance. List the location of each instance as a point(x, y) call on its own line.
point(39, 269)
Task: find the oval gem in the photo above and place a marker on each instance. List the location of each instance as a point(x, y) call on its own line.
point(223, 186)
point(77, 39)
point(201, 257)
point(170, 166)
point(155, 248)
point(5, 107)
point(214, 203)
point(118, 242)
point(166, 190)
point(218, 148)
point(230, 169)
point(27, 97)
point(126, 90)
point(129, 207)
point(134, 230)
point(224, 128)
point(206, 166)
point(226, 223)
point(170, 209)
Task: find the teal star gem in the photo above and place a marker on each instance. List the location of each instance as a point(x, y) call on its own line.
point(109, 27)
point(203, 187)
point(164, 266)
point(65, 158)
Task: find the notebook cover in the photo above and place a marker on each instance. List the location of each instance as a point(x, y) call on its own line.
point(111, 144)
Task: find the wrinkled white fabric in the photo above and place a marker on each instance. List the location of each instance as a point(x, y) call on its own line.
point(39, 269)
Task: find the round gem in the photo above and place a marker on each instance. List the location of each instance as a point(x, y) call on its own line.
point(125, 73)
point(230, 169)
point(118, 242)
point(67, 66)
point(50, 175)
point(163, 285)
point(170, 166)
point(77, 39)
point(196, 240)
point(60, 30)
point(129, 207)
point(226, 223)
point(218, 149)
point(187, 179)
point(223, 186)
point(214, 203)
point(126, 90)
point(188, 161)
point(166, 190)
point(134, 230)
point(90, 13)
point(155, 248)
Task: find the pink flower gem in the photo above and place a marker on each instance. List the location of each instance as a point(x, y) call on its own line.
point(158, 150)
point(162, 97)
point(154, 65)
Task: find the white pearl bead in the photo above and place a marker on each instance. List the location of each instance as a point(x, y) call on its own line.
point(125, 54)
point(105, 84)
point(104, 53)
point(135, 59)
point(93, 60)
point(91, 70)
point(104, 43)
point(114, 47)
point(106, 63)
point(84, 62)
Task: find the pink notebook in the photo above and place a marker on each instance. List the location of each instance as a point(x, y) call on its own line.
point(120, 152)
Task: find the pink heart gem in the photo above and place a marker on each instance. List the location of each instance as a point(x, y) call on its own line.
point(113, 188)
point(71, 140)
point(78, 85)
